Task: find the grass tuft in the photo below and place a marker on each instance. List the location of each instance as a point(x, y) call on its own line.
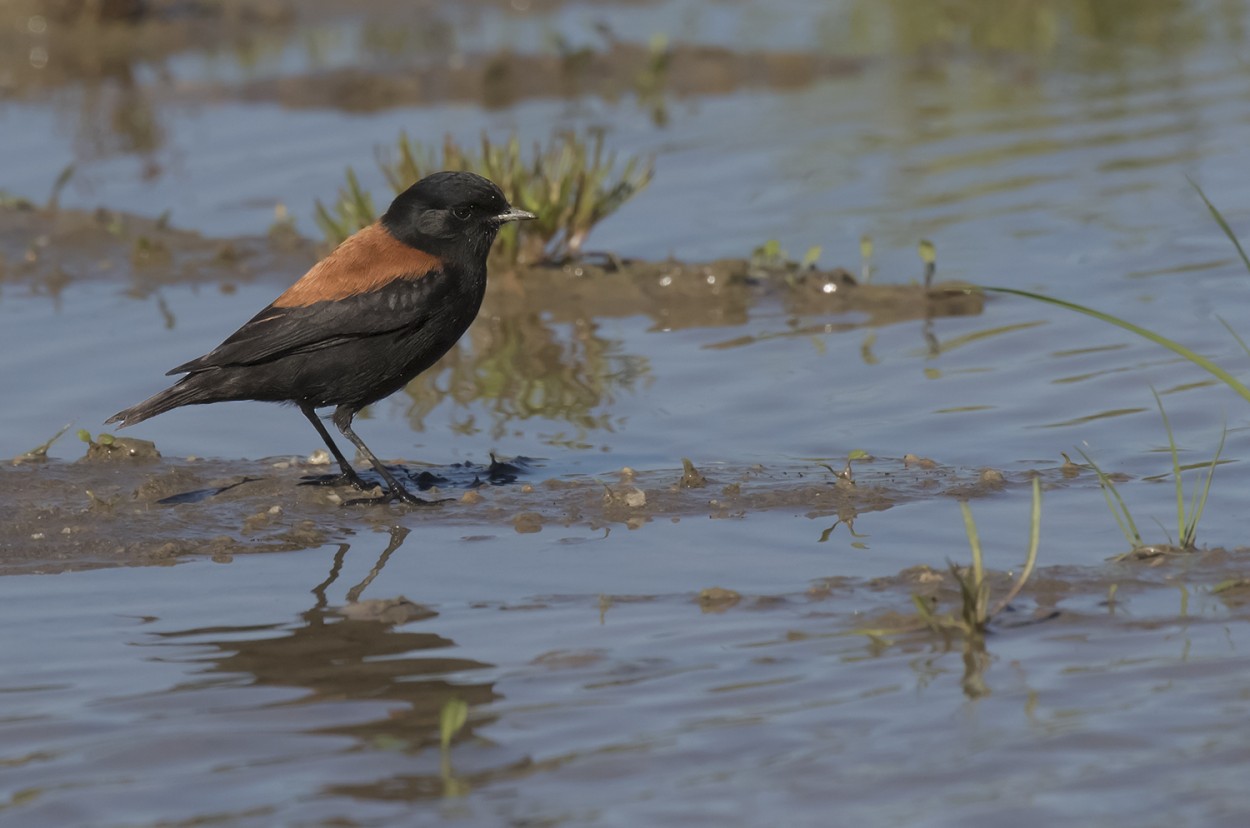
point(571, 184)
point(1188, 514)
point(350, 211)
point(975, 612)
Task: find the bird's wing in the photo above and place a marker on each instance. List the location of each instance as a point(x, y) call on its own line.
point(279, 331)
point(371, 284)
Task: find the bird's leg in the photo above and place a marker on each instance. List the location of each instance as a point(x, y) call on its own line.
point(348, 473)
point(343, 420)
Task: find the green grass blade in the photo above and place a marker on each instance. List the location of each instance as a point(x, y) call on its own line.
point(926, 615)
point(1176, 468)
point(1173, 346)
point(974, 541)
point(1123, 517)
point(1236, 336)
point(1219, 219)
point(1196, 509)
point(1030, 560)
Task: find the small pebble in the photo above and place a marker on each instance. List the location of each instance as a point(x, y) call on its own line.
point(992, 476)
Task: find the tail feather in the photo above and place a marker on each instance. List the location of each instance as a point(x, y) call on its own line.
point(181, 393)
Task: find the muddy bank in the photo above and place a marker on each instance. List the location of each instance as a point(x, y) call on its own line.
point(44, 250)
point(126, 505)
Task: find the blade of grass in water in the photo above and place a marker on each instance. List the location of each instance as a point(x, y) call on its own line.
point(1030, 560)
point(1219, 219)
point(974, 541)
point(1123, 517)
point(1199, 502)
point(1159, 339)
point(1181, 525)
point(1236, 336)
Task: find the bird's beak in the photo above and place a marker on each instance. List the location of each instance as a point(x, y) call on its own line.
point(513, 214)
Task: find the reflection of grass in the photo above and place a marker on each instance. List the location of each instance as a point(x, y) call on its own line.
point(451, 719)
point(518, 368)
point(571, 184)
point(1026, 27)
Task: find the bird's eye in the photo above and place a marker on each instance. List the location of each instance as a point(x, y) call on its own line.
point(462, 213)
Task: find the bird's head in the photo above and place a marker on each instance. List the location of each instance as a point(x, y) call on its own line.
point(453, 214)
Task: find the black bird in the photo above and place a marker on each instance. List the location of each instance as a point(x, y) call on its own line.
point(366, 319)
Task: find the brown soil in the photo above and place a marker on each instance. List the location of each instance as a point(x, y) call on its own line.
point(128, 506)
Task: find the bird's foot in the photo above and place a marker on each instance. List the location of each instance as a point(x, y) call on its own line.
point(397, 494)
point(345, 479)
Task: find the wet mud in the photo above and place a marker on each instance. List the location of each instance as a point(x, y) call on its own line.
point(125, 505)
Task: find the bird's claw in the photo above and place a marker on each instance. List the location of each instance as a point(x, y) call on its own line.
point(353, 480)
point(397, 495)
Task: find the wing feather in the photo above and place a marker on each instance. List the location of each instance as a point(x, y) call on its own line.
point(278, 331)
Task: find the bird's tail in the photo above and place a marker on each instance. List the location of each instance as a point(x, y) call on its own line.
point(184, 392)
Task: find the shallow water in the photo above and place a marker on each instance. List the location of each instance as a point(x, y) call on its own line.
point(1053, 159)
point(228, 692)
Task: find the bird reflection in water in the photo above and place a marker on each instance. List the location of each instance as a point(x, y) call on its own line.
point(365, 651)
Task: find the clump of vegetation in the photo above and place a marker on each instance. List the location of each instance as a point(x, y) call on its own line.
point(571, 184)
point(769, 259)
point(1187, 516)
point(975, 609)
point(351, 210)
point(975, 612)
